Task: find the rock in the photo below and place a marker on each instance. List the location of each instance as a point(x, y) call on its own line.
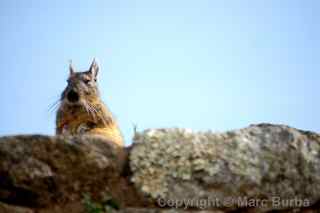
point(256, 169)
point(4, 208)
point(41, 171)
point(150, 210)
point(271, 167)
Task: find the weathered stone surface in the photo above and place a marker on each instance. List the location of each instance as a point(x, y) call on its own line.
point(40, 171)
point(4, 208)
point(259, 163)
point(153, 210)
point(168, 170)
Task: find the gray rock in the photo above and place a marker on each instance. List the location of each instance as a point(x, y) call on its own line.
point(168, 170)
point(263, 167)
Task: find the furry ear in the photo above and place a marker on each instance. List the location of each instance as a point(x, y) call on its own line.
point(71, 68)
point(94, 69)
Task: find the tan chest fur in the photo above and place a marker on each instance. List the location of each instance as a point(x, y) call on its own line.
point(75, 121)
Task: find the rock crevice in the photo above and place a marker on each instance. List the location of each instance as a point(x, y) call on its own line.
point(260, 168)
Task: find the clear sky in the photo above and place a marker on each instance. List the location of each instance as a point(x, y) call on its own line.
point(216, 65)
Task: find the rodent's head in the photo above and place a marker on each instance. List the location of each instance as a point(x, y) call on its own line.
point(82, 87)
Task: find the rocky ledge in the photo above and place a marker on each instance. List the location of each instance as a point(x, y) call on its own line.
point(261, 168)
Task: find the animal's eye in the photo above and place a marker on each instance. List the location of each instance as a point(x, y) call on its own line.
point(86, 81)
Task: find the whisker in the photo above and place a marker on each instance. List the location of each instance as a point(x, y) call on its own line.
point(54, 106)
point(95, 112)
point(100, 115)
point(90, 111)
point(93, 108)
point(86, 107)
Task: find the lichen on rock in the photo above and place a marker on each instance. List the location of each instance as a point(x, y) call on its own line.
point(162, 170)
point(261, 162)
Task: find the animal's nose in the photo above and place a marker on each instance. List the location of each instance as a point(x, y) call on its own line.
point(73, 96)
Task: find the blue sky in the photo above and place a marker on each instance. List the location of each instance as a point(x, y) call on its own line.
point(216, 65)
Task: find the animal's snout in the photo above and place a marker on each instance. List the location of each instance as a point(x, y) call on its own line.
point(73, 96)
